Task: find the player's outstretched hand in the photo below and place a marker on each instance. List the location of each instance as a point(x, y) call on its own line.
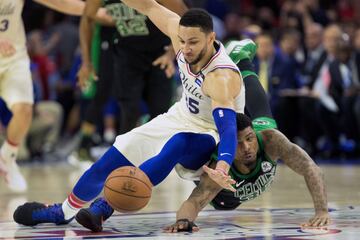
point(84, 73)
point(224, 181)
point(166, 63)
point(319, 220)
point(6, 48)
point(182, 225)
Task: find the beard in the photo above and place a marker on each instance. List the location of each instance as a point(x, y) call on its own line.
point(198, 58)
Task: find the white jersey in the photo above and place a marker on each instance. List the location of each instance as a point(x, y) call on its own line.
point(193, 101)
point(11, 23)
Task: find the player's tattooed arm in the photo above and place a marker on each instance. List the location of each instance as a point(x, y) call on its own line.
point(199, 198)
point(278, 146)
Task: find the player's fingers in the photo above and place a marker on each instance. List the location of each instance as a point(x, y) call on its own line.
point(168, 73)
point(311, 220)
point(171, 69)
point(323, 221)
point(316, 222)
point(232, 181)
point(231, 188)
point(303, 225)
point(157, 61)
point(162, 65)
point(171, 228)
point(206, 169)
point(195, 228)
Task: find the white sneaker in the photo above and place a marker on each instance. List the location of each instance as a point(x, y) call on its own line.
point(13, 178)
point(3, 168)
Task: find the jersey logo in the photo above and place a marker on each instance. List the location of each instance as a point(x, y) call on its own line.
point(262, 122)
point(239, 183)
point(223, 154)
point(221, 113)
point(266, 166)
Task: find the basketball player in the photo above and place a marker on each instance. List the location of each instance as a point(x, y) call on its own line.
point(258, 149)
point(15, 80)
point(254, 170)
point(205, 114)
point(129, 73)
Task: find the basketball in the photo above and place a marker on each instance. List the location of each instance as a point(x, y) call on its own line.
point(127, 189)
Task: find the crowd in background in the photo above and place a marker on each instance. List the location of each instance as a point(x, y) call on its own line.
point(308, 61)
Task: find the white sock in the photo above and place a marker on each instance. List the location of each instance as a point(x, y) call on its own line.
point(9, 152)
point(71, 206)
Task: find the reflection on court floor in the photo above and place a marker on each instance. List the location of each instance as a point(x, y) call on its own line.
point(238, 224)
point(276, 214)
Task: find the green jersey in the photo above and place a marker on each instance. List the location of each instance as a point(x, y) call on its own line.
point(135, 31)
point(251, 185)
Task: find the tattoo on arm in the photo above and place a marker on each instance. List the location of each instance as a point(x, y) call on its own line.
point(277, 146)
point(204, 192)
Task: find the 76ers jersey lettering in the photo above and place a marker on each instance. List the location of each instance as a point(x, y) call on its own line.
point(11, 24)
point(193, 100)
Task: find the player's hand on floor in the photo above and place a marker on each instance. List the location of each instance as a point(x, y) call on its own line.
point(6, 48)
point(319, 220)
point(166, 63)
point(223, 180)
point(182, 225)
point(84, 73)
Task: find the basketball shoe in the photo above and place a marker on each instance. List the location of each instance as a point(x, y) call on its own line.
point(239, 50)
point(93, 217)
point(13, 177)
point(33, 213)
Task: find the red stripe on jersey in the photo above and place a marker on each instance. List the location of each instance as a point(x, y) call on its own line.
point(178, 54)
point(202, 69)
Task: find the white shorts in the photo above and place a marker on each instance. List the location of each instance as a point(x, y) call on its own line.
point(15, 79)
point(146, 141)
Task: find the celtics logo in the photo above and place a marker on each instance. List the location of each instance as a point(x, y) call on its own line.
point(266, 166)
point(261, 122)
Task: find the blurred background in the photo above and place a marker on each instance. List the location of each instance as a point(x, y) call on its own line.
point(308, 61)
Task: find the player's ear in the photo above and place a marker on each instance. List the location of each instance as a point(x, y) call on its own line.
point(212, 37)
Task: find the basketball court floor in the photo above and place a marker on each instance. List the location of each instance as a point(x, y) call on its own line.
point(277, 214)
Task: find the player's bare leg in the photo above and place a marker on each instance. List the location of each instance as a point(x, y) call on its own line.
point(16, 132)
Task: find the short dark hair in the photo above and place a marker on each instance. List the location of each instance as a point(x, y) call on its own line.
point(197, 17)
point(242, 121)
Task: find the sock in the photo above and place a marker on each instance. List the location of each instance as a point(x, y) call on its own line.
point(9, 151)
point(109, 135)
point(71, 206)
